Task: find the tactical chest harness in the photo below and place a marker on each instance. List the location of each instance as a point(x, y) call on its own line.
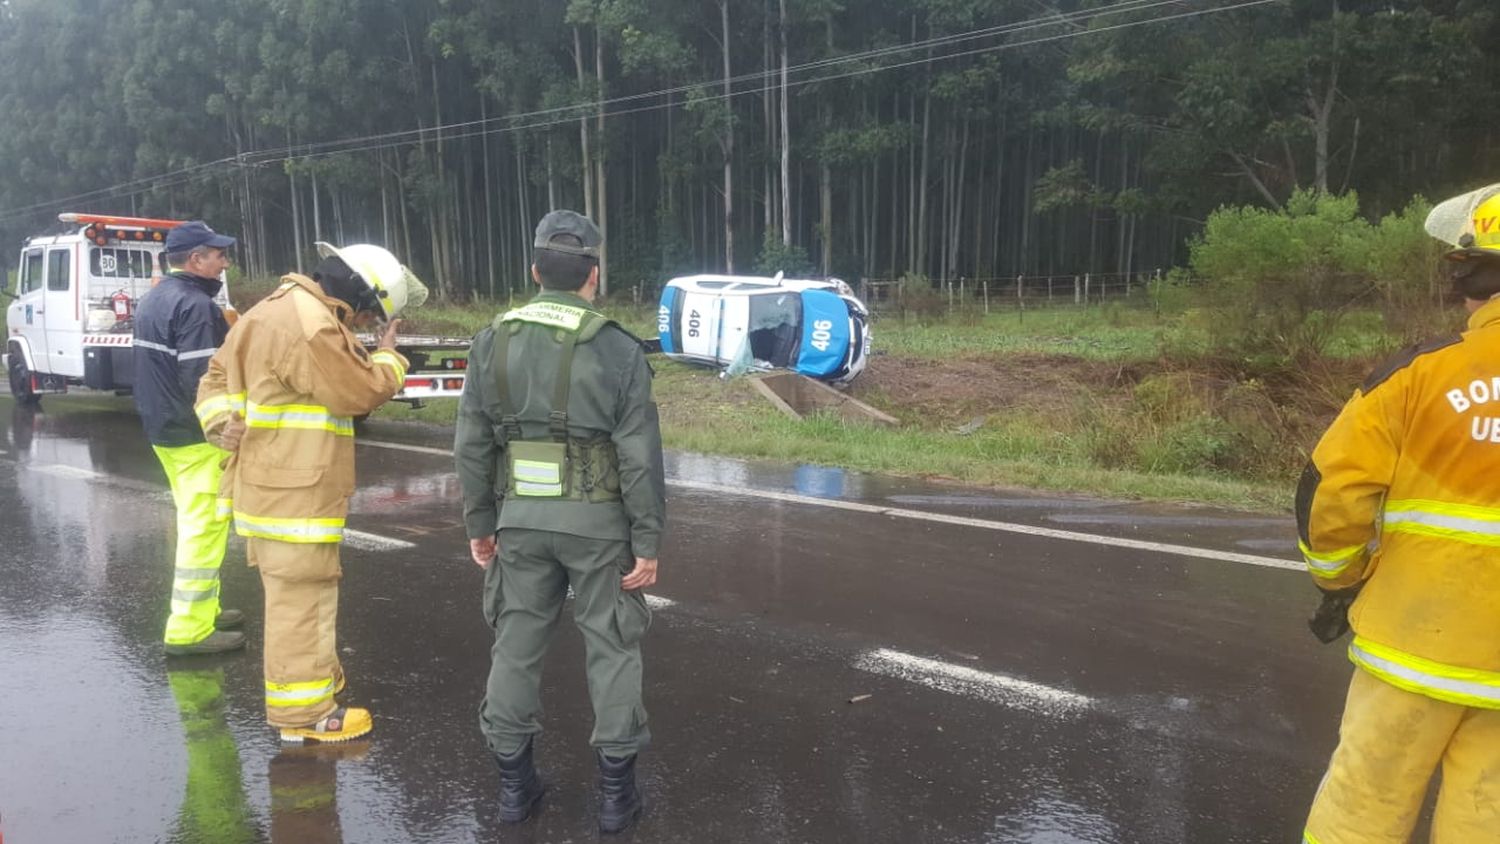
point(561, 467)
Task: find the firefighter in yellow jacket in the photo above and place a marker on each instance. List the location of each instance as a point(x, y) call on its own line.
point(1399, 516)
point(282, 393)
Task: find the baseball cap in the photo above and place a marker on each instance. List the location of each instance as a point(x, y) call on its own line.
point(573, 223)
point(193, 234)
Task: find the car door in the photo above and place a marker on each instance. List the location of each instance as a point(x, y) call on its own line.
point(64, 314)
point(28, 314)
point(698, 333)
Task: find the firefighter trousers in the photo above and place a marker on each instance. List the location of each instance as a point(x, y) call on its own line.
point(301, 582)
point(193, 472)
point(524, 591)
point(1390, 744)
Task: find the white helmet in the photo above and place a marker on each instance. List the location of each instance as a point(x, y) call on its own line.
point(396, 287)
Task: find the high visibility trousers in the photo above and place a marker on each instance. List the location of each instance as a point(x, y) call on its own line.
point(302, 667)
point(193, 472)
point(1390, 743)
point(214, 807)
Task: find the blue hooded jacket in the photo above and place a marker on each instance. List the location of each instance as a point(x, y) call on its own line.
point(178, 327)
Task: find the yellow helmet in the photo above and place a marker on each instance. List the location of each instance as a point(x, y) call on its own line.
point(1470, 223)
point(394, 286)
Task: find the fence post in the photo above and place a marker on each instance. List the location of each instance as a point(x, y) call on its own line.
point(1086, 280)
point(1020, 299)
point(1049, 289)
point(949, 285)
point(986, 284)
point(1076, 290)
point(963, 292)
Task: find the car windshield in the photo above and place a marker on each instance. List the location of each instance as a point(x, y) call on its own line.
point(775, 327)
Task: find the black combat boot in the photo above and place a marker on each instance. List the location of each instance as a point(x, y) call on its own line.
point(521, 788)
point(619, 799)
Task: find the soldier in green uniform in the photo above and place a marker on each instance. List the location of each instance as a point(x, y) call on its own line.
point(558, 448)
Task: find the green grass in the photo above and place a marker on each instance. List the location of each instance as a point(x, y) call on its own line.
point(702, 413)
point(1179, 435)
point(1109, 332)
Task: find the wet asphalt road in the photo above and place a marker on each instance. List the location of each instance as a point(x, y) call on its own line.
point(1010, 687)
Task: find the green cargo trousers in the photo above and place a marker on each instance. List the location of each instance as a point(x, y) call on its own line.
point(524, 591)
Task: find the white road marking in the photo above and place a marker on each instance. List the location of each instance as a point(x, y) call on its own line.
point(60, 471)
point(657, 602)
point(374, 542)
point(970, 682)
point(944, 518)
point(419, 449)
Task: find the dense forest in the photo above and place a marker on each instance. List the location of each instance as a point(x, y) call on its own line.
point(860, 138)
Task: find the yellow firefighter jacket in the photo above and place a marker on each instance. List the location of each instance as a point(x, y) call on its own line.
point(296, 373)
point(1403, 496)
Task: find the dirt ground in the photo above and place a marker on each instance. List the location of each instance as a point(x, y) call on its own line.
point(961, 389)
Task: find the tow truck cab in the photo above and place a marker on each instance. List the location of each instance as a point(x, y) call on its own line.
point(70, 320)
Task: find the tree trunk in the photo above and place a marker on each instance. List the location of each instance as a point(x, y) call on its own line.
point(603, 218)
point(786, 146)
point(728, 144)
point(583, 130)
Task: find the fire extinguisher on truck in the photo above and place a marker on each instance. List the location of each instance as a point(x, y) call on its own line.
point(71, 317)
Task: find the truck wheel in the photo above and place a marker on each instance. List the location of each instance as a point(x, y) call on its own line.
point(20, 380)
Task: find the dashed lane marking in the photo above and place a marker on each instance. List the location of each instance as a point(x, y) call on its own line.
point(943, 518)
point(970, 682)
point(374, 542)
point(59, 470)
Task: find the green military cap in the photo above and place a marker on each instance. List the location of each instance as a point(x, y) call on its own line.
point(569, 222)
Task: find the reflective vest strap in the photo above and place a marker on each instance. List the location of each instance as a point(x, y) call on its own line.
point(303, 531)
point(1464, 686)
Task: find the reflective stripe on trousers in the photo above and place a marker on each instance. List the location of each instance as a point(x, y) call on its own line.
point(301, 531)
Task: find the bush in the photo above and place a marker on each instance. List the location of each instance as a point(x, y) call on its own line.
point(1280, 280)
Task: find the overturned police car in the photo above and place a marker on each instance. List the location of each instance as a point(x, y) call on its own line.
point(755, 323)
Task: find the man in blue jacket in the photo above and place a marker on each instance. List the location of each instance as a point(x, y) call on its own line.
point(178, 327)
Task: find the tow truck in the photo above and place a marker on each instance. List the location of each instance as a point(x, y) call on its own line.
point(71, 322)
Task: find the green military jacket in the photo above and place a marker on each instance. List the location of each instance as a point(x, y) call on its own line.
point(609, 394)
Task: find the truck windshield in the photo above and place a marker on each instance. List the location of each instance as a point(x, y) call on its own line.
point(775, 327)
point(112, 262)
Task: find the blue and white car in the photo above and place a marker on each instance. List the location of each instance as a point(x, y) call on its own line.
point(747, 323)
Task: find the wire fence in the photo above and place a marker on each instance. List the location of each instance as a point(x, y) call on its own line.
point(1005, 293)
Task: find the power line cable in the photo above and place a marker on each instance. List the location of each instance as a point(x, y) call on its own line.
point(405, 138)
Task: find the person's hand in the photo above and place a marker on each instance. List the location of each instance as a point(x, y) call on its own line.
point(232, 432)
point(643, 575)
point(388, 339)
point(483, 550)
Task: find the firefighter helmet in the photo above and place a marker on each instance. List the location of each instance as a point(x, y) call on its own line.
point(391, 284)
point(1470, 223)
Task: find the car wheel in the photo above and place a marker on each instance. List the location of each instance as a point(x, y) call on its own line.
point(20, 379)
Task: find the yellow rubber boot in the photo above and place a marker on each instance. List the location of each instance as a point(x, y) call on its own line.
point(343, 724)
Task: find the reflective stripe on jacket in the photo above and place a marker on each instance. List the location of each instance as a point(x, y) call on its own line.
point(1403, 496)
point(298, 376)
